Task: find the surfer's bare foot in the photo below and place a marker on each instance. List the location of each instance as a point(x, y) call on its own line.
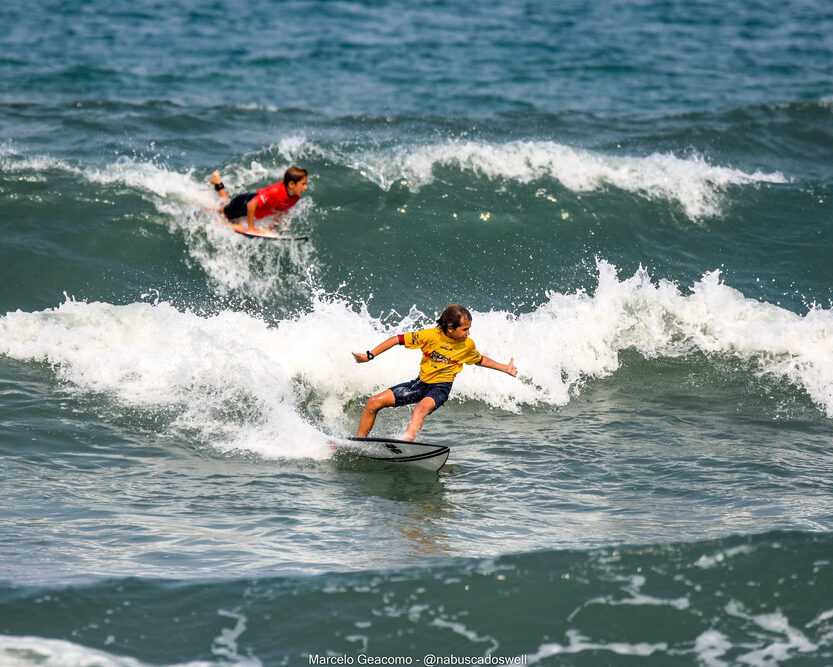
point(215, 178)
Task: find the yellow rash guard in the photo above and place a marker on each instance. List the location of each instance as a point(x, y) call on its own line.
point(442, 357)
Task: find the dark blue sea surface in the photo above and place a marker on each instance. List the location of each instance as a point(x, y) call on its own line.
point(632, 198)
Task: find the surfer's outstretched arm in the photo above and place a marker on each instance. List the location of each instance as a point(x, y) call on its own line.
point(506, 368)
point(362, 357)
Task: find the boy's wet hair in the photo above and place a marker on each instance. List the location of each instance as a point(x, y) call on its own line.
point(293, 175)
point(453, 316)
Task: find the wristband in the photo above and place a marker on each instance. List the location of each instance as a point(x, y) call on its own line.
point(370, 355)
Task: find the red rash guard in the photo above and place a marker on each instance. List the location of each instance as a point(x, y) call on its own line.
point(274, 199)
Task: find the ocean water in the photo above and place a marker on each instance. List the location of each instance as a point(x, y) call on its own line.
point(635, 200)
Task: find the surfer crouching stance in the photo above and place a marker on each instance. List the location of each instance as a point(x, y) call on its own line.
point(445, 348)
point(277, 198)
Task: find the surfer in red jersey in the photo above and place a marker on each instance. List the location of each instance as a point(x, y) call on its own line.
point(276, 199)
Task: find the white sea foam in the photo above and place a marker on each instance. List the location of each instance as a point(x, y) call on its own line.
point(710, 646)
point(636, 597)
point(151, 178)
point(470, 635)
point(239, 382)
point(13, 161)
point(30, 651)
point(146, 177)
point(690, 181)
point(225, 377)
point(17, 651)
point(157, 179)
point(577, 336)
point(579, 643)
point(719, 557)
point(778, 640)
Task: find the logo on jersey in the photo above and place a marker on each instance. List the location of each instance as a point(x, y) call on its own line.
point(440, 358)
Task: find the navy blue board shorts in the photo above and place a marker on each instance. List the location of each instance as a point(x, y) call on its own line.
point(414, 391)
point(236, 208)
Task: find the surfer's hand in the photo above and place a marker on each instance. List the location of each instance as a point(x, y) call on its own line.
point(360, 357)
point(510, 368)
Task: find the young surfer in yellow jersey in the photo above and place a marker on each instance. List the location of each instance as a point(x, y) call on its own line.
point(445, 348)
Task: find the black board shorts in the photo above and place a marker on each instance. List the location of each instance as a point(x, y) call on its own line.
point(236, 208)
point(414, 391)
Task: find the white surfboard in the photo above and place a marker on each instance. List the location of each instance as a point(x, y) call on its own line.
point(257, 233)
point(265, 234)
point(417, 454)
